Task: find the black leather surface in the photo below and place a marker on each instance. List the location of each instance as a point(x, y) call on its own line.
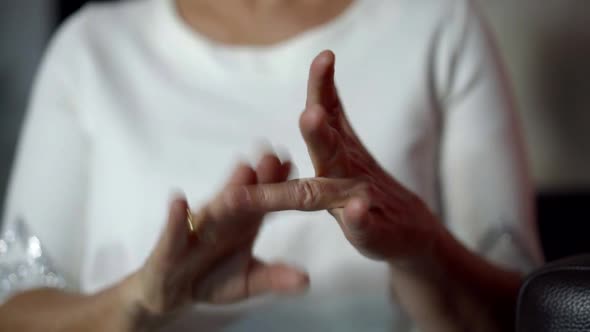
point(556, 298)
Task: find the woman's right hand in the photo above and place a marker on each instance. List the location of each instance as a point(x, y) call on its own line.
point(214, 264)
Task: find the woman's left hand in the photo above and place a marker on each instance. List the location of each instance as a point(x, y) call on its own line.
point(378, 215)
point(386, 221)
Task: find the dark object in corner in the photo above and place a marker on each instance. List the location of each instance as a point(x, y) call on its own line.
point(556, 298)
point(564, 223)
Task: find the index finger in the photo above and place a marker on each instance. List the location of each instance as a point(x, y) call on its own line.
point(314, 194)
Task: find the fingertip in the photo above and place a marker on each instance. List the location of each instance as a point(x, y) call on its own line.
point(177, 200)
point(241, 160)
point(241, 163)
point(243, 174)
point(290, 280)
point(324, 59)
point(177, 213)
point(329, 53)
point(242, 166)
point(295, 280)
point(269, 169)
point(175, 194)
point(269, 160)
point(320, 85)
point(321, 66)
point(299, 285)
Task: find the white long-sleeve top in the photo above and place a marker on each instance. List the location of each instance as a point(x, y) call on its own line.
point(131, 105)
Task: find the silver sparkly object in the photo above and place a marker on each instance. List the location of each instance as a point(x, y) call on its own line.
point(23, 262)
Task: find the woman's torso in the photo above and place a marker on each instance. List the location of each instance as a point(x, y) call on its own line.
point(163, 115)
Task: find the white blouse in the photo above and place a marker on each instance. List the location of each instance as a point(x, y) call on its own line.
point(131, 105)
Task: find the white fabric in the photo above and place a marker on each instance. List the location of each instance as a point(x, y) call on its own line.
point(131, 105)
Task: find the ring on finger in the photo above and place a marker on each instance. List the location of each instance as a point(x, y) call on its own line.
point(195, 227)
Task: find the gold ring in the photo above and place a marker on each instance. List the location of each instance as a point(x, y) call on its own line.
point(208, 236)
point(189, 220)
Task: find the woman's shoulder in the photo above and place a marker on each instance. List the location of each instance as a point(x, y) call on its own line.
point(103, 23)
point(96, 35)
point(436, 22)
point(446, 22)
point(445, 12)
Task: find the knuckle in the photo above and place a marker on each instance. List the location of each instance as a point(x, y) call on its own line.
point(308, 193)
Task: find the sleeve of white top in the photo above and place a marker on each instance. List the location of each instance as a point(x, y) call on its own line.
point(47, 189)
point(486, 192)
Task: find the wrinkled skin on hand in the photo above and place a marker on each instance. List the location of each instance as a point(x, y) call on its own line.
point(215, 264)
point(381, 218)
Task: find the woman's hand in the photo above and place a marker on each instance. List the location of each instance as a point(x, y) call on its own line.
point(386, 221)
point(214, 264)
point(380, 217)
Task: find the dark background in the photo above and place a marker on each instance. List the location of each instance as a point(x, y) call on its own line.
point(563, 211)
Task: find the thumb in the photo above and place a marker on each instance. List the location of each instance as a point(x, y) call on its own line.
point(175, 237)
point(319, 122)
point(276, 278)
point(323, 142)
point(321, 89)
point(224, 286)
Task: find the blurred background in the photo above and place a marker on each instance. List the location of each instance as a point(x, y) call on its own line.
point(546, 46)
